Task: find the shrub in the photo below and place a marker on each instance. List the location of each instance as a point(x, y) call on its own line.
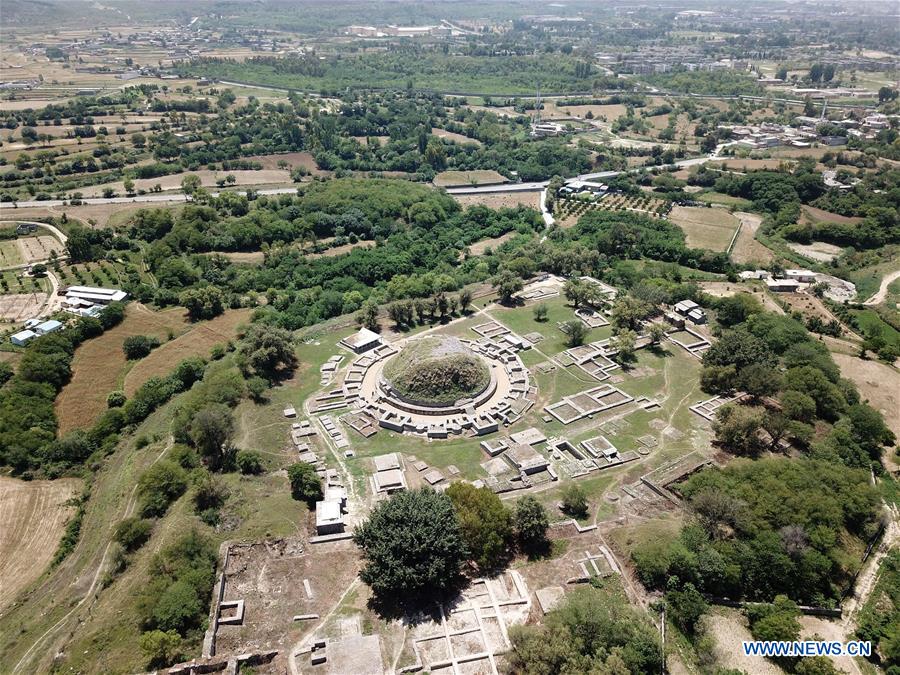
point(139, 346)
point(115, 399)
point(159, 486)
point(249, 462)
point(305, 483)
point(133, 532)
point(574, 501)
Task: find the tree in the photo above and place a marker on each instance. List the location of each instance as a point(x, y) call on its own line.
point(624, 343)
point(269, 351)
point(465, 299)
point(576, 332)
point(412, 546)
point(115, 399)
point(737, 429)
point(776, 621)
point(798, 406)
point(161, 648)
point(760, 380)
point(531, 524)
point(685, 604)
point(507, 284)
point(159, 486)
point(132, 532)
point(128, 184)
point(540, 312)
point(249, 462)
point(210, 431)
point(575, 290)
point(138, 140)
point(368, 315)
point(657, 333)
point(205, 302)
point(306, 486)
point(190, 184)
point(38, 270)
point(484, 521)
point(574, 501)
point(628, 312)
point(139, 346)
point(592, 631)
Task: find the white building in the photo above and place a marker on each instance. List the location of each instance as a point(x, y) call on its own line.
point(803, 276)
point(95, 294)
point(362, 341)
point(329, 519)
point(21, 338)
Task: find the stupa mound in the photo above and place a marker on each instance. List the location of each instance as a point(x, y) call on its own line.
point(437, 371)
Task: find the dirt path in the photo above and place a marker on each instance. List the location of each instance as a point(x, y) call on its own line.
point(90, 595)
point(880, 296)
point(867, 578)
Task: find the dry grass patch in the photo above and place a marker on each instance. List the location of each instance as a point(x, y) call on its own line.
point(711, 228)
point(293, 159)
point(451, 136)
point(878, 383)
point(196, 342)
point(34, 515)
point(501, 200)
point(207, 178)
point(480, 247)
point(98, 364)
point(810, 214)
point(478, 177)
point(747, 249)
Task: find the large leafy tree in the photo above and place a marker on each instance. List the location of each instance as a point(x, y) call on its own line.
point(269, 351)
point(412, 546)
point(486, 524)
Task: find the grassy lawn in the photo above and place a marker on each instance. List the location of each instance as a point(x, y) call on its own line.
point(10, 254)
point(869, 321)
point(868, 279)
point(719, 198)
point(521, 321)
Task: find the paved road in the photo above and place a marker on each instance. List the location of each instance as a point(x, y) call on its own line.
point(137, 199)
point(536, 186)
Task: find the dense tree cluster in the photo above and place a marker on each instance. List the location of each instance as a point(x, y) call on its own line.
point(768, 527)
point(592, 631)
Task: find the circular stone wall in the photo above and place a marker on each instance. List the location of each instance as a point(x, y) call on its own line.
point(436, 372)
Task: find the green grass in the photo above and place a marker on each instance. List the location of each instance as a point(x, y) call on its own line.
point(869, 321)
point(868, 279)
point(521, 321)
point(10, 254)
point(718, 198)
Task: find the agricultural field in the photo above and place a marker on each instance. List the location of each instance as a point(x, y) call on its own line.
point(501, 200)
point(34, 515)
point(709, 228)
point(99, 364)
point(197, 341)
point(570, 209)
point(747, 249)
point(465, 178)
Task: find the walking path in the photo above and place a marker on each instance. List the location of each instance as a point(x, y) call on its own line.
point(881, 295)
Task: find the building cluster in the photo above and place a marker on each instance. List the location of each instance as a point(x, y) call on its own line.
point(441, 30)
point(89, 300)
point(666, 59)
point(772, 135)
point(790, 281)
point(34, 328)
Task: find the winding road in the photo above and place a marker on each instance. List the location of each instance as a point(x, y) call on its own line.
point(881, 295)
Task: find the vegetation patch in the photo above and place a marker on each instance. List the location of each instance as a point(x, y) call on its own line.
point(437, 371)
